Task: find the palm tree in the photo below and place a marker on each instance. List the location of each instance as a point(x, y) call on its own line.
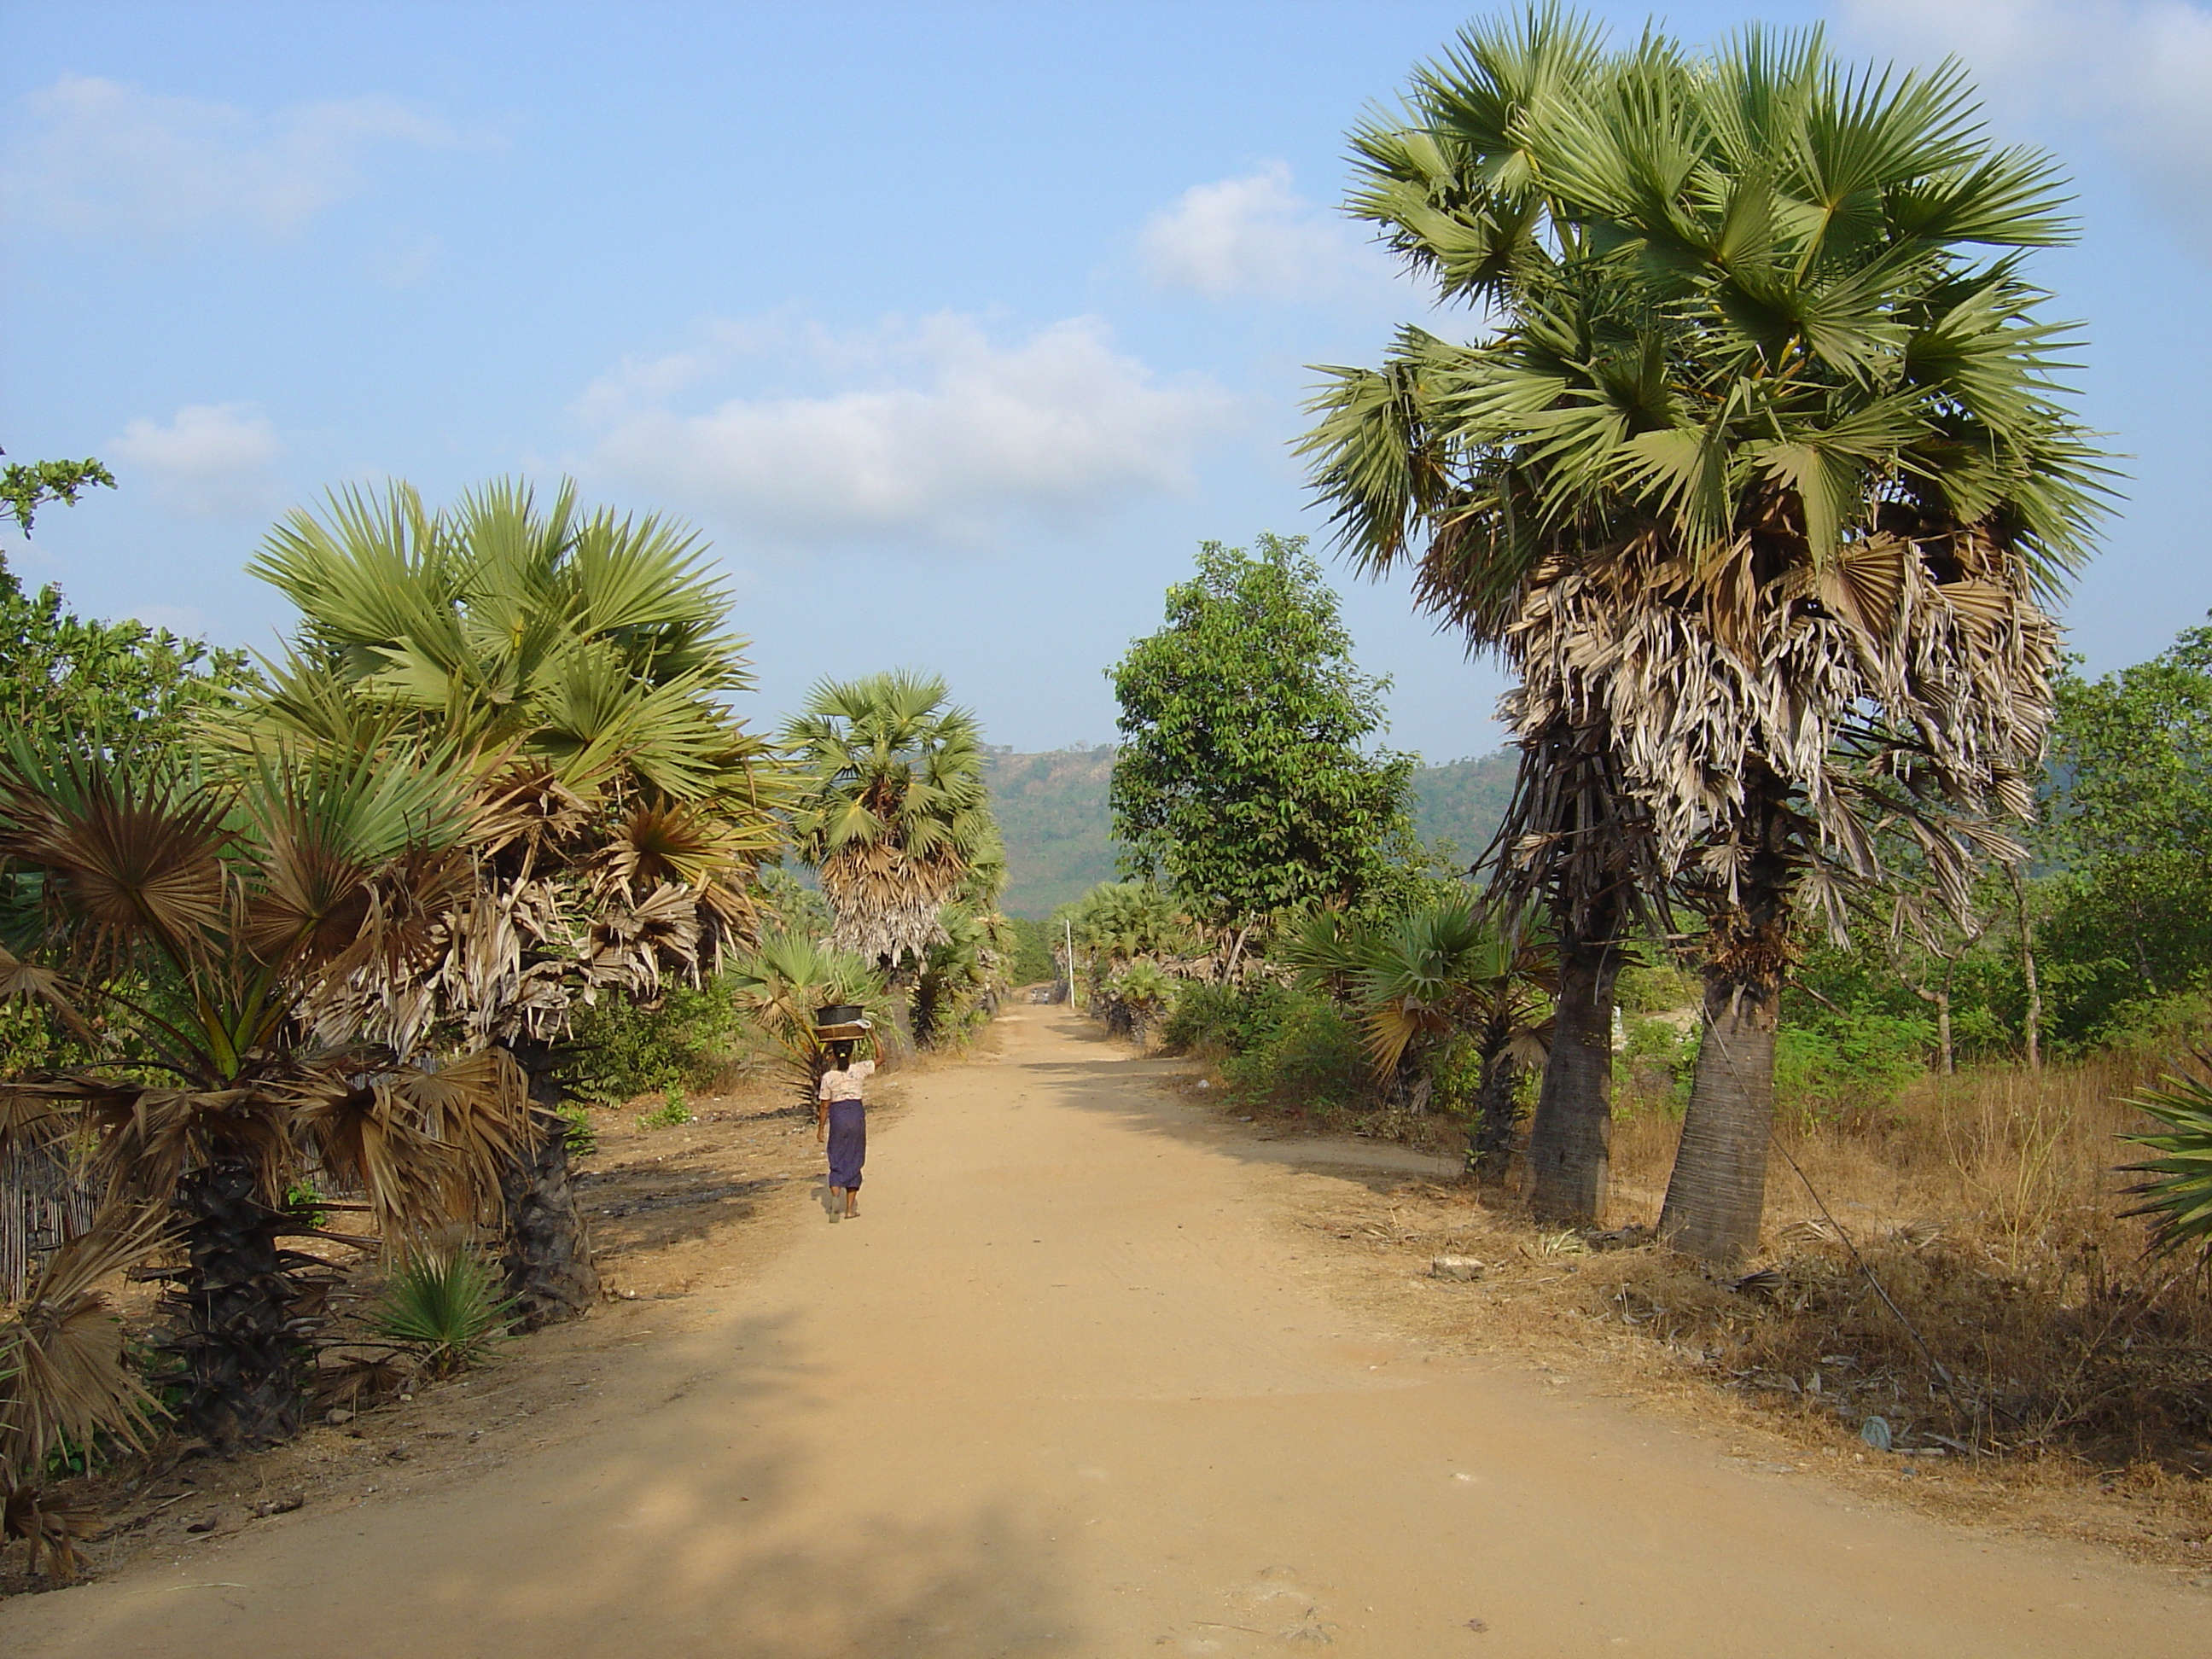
point(780, 982)
point(185, 927)
point(1426, 977)
point(1118, 923)
point(581, 663)
point(893, 810)
point(962, 976)
point(1459, 191)
point(1819, 486)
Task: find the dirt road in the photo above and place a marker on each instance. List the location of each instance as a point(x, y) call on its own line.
point(1059, 1391)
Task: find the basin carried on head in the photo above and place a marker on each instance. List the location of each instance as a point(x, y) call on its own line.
point(839, 1014)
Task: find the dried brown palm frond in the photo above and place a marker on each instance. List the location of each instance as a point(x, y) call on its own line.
point(49, 1524)
point(150, 1138)
point(63, 1374)
point(886, 902)
point(426, 1146)
point(526, 811)
point(656, 844)
point(1913, 712)
point(125, 850)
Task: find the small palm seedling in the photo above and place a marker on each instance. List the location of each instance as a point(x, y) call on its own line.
point(49, 1526)
point(779, 983)
point(444, 1308)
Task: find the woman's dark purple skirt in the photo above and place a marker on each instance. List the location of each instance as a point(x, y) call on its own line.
point(849, 1142)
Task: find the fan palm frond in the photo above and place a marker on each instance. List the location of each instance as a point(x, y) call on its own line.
point(64, 1377)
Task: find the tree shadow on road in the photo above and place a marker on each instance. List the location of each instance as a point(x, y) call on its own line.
point(676, 1528)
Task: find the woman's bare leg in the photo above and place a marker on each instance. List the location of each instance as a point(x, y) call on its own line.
point(852, 1201)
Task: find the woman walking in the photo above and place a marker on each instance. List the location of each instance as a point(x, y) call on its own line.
point(843, 1121)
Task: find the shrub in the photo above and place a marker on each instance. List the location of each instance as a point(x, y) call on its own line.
point(622, 1049)
point(1856, 1060)
point(1313, 1057)
point(1219, 1020)
point(1033, 962)
point(444, 1308)
point(1653, 1066)
point(1656, 989)
point(673, 1112)
point(583, 1140)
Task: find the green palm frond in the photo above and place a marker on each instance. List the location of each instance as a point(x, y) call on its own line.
point(2179, 1195)
point(444, 1306)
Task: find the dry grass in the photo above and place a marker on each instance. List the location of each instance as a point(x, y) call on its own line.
point(2027, 1316)
point(2065, 1382)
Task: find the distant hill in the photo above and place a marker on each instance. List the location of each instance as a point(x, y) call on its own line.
point(1052, 811)
point(1463, 801)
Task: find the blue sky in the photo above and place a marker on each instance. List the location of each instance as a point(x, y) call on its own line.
point(954, 328)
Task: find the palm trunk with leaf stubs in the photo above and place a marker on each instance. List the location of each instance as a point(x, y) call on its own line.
point(1718, 1192)
point(240, 1335)
point(548, 1267)
point(1497, 1113)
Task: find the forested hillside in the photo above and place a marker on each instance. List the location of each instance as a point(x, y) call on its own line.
point(1052, 811)
point(1051, 808)
point(1462, 802)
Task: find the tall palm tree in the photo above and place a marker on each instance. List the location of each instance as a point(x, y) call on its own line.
point(1807, 435)
point(185, 925)
point(893, 810)
point(1458, 190)
point(582, 665)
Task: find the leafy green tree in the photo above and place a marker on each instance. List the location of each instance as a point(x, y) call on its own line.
point(1033, 962)
point(1243, 781)
point(2128, 827)
point(26, 486)
point(63, 677)
point(67, 681)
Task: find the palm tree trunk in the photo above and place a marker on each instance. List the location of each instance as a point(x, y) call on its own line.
point(2033, 1030)
point(548, 1263)
point(1716, 1194)
point(1571, 1144)
point(243, 1358)
point(1490, 1149)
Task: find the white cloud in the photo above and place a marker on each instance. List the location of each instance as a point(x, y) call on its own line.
point(2138, 73)
point(211, 460)
point(98, 156)
point(1254, 235)
point(927, 429)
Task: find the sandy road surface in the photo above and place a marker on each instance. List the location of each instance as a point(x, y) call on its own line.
point(1056, 1394)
